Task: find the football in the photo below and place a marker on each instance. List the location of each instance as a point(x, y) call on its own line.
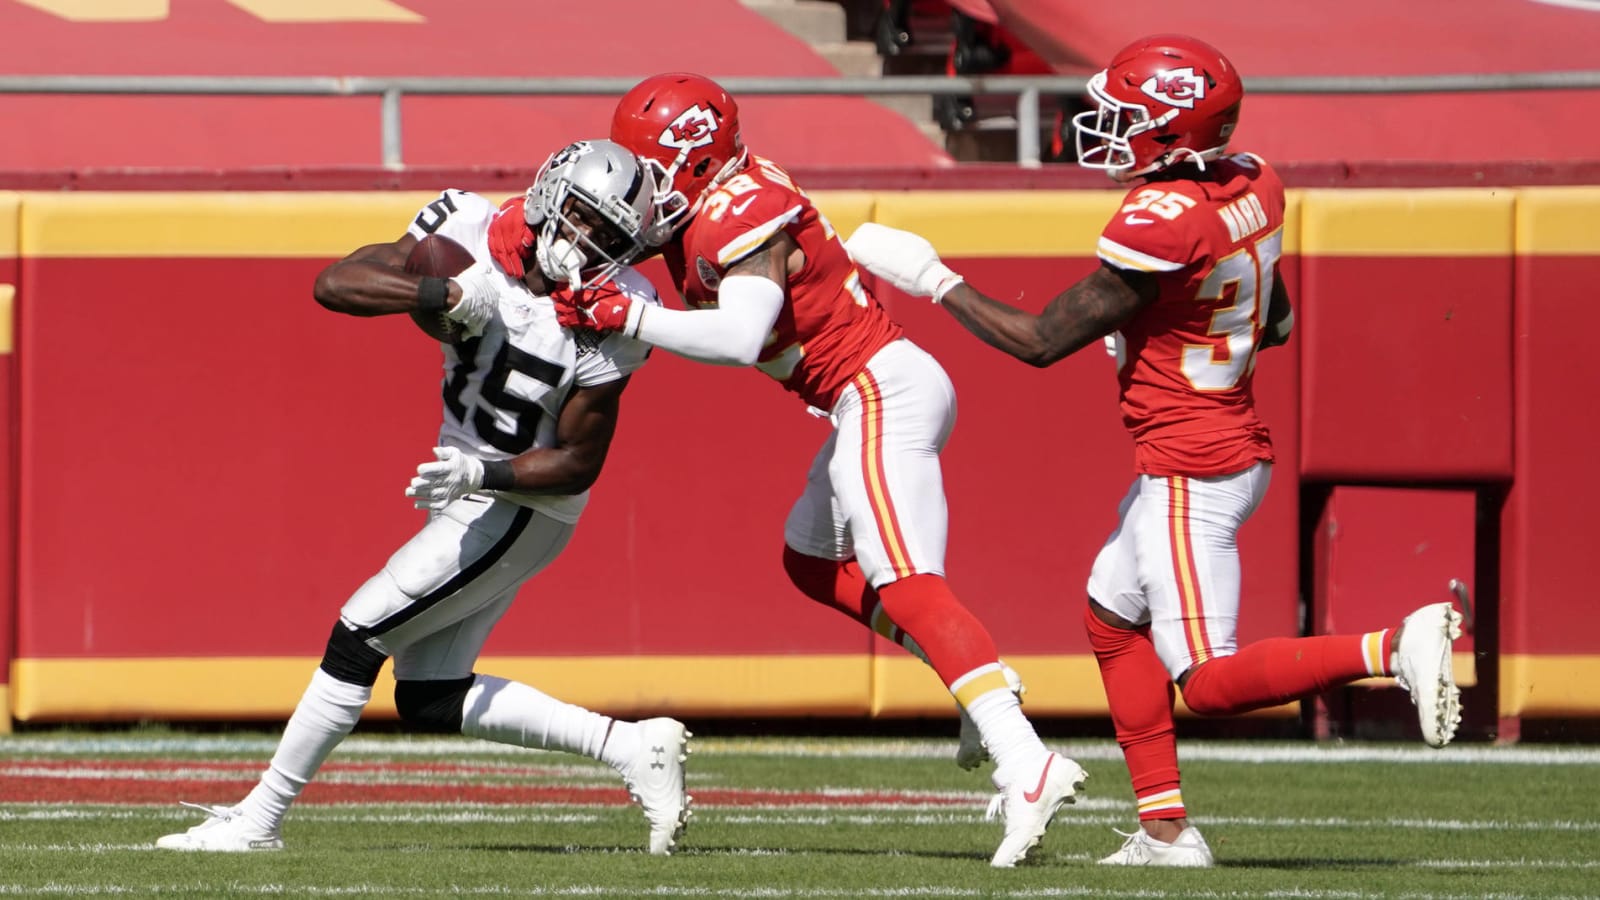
point(440, 257)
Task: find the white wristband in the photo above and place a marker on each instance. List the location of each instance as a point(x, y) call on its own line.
point(945, 285)
point(630, 328)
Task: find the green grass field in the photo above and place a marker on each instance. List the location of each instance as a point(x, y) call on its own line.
point(792, 817)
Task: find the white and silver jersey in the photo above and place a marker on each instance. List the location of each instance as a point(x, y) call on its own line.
point(503, 391)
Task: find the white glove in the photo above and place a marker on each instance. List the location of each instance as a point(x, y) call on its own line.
point(905, 260)
point(439, 483)
point(480, 297)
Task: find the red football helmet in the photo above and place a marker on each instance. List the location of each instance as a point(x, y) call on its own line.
point(687, 127)
point(1163, 100)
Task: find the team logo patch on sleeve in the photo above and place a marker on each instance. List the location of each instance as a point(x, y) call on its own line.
point(707, 272)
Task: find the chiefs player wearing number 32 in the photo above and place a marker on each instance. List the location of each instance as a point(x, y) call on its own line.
point(1186, 293)
point(772, 288)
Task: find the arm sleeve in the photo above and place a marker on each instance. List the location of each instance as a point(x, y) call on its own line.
point(730, 335)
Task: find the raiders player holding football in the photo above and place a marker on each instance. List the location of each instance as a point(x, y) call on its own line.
point(529, 411)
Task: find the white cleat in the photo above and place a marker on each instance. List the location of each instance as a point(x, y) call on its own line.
point(655, 781)
point(970, 752)
point(1028, 805)
point(226, 830)
point(1424, 667)
point(1188, 850)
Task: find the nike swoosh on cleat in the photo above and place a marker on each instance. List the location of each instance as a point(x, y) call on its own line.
point(1038, 789)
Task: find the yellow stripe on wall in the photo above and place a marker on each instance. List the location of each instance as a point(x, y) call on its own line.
point(1559, 221)
point(1466, 669)
point(10, 212)
point(1439, 222)
point(246, 224)
point(1065, 685)
point(8, 304)
point(269, 687)
point(1003, 223)
point(840, 685)
point(845, 210)
point(239, 224)
point(1549, 685)
point(1434, 222)
point(1023, 223)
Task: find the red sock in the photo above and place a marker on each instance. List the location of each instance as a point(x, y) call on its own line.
point(924, 607)
point(1278, 670)
point(831, 583)
point(1139, 693)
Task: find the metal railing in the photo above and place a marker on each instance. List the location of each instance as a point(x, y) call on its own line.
point(1027, 89)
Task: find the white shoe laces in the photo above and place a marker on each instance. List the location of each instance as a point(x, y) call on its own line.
point(225, 813)
point(997, 807)
point(1133, 846)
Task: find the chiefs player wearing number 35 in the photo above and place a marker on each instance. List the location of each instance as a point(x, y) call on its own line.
point(772, 288)
point(1185, 295)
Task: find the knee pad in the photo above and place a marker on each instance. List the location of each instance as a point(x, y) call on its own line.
point(432, 707)
point(349, 659)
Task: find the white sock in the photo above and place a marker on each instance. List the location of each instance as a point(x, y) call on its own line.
point(1007, 733)
point(325, 714)
point(510, 712)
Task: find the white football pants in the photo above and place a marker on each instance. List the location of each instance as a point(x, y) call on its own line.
point(875, 489)
point(437, 598)
point(1173, 562)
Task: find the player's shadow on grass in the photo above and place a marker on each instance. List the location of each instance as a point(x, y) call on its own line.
point(1318, 864)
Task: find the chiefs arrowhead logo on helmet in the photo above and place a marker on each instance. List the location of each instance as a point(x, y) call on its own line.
point(694, 127)
point(1175, 87)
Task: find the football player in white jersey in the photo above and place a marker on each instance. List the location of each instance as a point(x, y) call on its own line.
point(529, 411)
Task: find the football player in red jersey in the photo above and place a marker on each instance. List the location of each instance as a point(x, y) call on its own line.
point(770, 286)
point(1187, 294)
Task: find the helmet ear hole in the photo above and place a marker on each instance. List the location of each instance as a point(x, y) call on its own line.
point(701, 167)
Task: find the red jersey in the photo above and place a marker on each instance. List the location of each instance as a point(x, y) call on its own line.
point(830, 325)
point(1186, 362)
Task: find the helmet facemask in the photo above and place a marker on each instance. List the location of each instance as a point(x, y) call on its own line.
point(1112, 126)
point(592, 205)
point(673, 208)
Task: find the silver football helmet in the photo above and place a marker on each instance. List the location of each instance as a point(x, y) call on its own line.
point(590, 206)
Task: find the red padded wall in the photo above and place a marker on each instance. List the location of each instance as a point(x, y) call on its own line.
point(1549, 521)
point(1407, 360)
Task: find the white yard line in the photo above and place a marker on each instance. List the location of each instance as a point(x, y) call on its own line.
point(18, 747)
point(234, 888)
point(1113, 813)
